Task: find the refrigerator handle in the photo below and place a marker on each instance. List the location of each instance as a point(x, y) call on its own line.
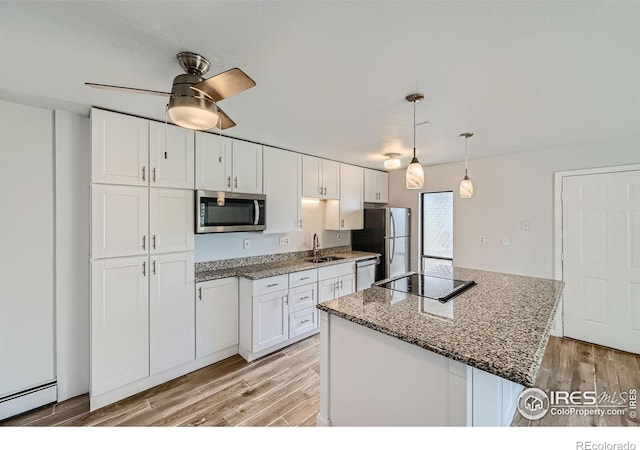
point(393, 251)
point(393, 226)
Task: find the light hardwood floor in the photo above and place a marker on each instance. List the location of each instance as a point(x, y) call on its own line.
point(282, 389)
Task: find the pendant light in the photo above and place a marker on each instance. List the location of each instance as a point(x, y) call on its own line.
point(415, 171)
point(466, 186)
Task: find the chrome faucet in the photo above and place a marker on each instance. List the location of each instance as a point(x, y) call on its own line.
point(316, 246)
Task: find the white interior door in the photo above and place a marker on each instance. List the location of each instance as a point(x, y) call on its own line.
point(601, 262)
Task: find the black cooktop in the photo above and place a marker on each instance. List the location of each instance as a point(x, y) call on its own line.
point(442, 289)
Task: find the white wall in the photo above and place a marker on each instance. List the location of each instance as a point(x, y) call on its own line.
point(26, 247)
point(216, 246)
point(73, 175)
point(508, 190)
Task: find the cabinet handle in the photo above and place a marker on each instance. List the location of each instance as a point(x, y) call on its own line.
point(154, 242)
point(342, 223)
point(340, 284)
point(300, 223)
point(320, 190)
point(200, 292)
point(272, 284)
point(286, 299)
point(144, 268)
point(144, 173)
point(153, 171)
point(235, 182)
point(229, 181)
point(305, 297)
point(304, 278)
point(144, 242)
point(325, 191)
point(153, 266)
point(305, 321)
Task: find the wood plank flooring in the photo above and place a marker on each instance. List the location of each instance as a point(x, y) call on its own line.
point(282, 389)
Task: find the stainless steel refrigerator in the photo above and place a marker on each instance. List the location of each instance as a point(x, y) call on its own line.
point(386, 231)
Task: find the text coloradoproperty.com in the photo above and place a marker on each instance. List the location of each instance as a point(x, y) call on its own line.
point(588, 445)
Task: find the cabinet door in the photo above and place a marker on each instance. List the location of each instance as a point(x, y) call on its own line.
point(170, 156)
point(119, 148)
point(331, 179)
point(119, 322)
point(119, 218)
point(213, 162)
point(216, 315)
point(371, 186)
point(247, 167)
point(311, 177)
point(270, 320)
point(303, 297)
point(383, 187)
point(346, 285)
point(171, 310)
point(171, 218)
point(327, 289)
point(303, 321)
point(351, 197)
point(283, 188)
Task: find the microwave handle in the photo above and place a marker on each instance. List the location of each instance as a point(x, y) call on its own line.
point(257, 214)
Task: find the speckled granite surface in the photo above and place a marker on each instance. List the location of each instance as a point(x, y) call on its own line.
point(501, 325)
point(248, 268)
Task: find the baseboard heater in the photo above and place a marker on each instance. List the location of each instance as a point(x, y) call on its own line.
point(24, 401)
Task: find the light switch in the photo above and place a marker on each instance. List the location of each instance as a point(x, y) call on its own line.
point(483, 239)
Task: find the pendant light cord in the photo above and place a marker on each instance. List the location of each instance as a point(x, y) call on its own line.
point(414, 129)
point(466, 154)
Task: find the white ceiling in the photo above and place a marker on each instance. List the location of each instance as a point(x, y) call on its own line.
point(332, 76)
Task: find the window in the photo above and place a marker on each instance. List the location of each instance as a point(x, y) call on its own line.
point(437, 230)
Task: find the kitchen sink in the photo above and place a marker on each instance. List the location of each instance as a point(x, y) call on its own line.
point(321, 259)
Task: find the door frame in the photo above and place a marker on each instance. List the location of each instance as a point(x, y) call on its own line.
point(558, 177)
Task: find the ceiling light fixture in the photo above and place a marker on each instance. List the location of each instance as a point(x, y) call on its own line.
point(392, 162)
point(466, 186)
point(415, 171)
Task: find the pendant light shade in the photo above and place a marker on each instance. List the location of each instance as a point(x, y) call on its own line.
point(466, 185)
point(415, 171)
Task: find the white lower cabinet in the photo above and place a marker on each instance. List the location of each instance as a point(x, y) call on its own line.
point(171, 310)
point(336, 281)
point(270, 322)
point(119, 322)
point(303, 321)
point(216, 315)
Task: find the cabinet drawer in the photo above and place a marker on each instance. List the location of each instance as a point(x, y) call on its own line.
point(304, 277)
point(271, 284)
point(302, 321)
point(303, 297)
point(336, 271)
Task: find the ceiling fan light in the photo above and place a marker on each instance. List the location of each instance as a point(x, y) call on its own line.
point(415, 175)
point(193, 112)
point(392, 162)
point(466, 187)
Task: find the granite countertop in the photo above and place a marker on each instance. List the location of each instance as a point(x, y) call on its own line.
point(275, 268)
point(501, 325)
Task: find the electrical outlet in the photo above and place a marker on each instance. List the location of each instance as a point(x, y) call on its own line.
point(483, 239)
point(246, 244)
point(505, 240)
point(284, 240)
point(525, 225)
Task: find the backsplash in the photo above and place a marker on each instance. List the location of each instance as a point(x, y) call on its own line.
point(262, 259)
point(222, 246)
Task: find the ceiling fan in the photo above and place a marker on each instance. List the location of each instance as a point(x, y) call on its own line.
point(193, 99)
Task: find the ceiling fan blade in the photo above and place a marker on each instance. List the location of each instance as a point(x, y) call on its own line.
point(225, 121)
point(225, 84)
point(128, 89)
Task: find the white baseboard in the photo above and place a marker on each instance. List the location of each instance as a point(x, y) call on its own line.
point(26, 401)
point(248, 356)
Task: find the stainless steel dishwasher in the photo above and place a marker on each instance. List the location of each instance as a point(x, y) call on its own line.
point(366, 273)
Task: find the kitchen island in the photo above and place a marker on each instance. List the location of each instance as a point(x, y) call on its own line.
point(398, 359)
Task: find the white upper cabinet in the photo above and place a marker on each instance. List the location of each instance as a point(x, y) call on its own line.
point(216, 315)
point(347, 213)
point(119, 221)
point(119, 322)
point(171, 150)
point(171, 218)
point(283, 188)
point(229, 165)
point(119, 148)
point(171, 311)
point(247, 167)
point(321, 178)
point(213, 162)
point(376, 186)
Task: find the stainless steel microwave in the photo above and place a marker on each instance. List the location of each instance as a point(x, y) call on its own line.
point(221, 212)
